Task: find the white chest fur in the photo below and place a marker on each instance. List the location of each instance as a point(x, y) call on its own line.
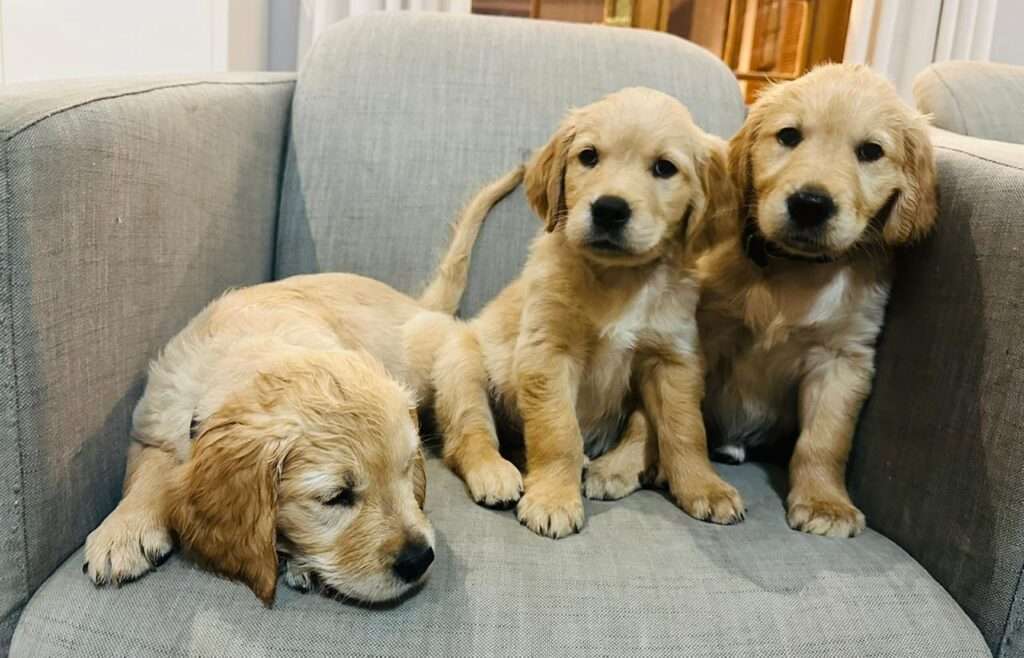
point(661, 313)
point(753, 387)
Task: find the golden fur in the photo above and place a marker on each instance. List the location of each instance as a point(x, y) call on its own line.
point(588, 333)
point(789, 345)
point(301, 396)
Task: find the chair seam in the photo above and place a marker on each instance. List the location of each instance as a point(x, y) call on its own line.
point(1009, 613)
point(139, 92)
point(12, 359)
point(979, 157)
point(285, 146)
point(956, 101)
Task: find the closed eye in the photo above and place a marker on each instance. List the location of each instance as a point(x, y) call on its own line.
point(344, 497)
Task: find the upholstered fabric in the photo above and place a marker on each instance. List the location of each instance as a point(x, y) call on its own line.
point(979, 99)
point(127, 205)
point(124, 208)
point(641, 579)
point(939, 456)
point(399, 119)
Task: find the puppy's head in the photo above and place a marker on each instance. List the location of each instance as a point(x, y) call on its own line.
point(625, 176)
point(318, 460)
point(835, 160)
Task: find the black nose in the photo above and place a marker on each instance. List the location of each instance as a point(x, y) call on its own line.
point(810, 208)
point(610, 212)
point(413, 560)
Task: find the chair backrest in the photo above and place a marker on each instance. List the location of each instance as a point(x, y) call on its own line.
point(977, 99)
point(399, 118)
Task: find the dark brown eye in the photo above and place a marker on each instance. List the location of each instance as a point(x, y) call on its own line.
point(664, 169)
point(343, 497)
point(588, 157)
point(789, 137)
point(869, 152)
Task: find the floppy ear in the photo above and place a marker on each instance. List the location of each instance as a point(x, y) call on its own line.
point(740, 165)
point(917, 207)
point(545, 175)
point(223, 504)
point(419, 479)
point(720, 199)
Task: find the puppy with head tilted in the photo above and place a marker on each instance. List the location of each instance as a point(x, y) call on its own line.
point(600, 324)
point(280, 425)
point(835, 172)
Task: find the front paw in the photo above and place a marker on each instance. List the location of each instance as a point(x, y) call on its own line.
point(827, 517)
point(124, 547)
point(605, 479)
point(711, 500)
point(494, 483)
point(551, 510)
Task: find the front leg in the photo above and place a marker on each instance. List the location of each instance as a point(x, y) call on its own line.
point(135, 537)
point(547, 381)
point(672, 387)
point(831, 396)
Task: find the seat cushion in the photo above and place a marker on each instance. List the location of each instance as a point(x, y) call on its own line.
point(398, 119)
point(642, 578)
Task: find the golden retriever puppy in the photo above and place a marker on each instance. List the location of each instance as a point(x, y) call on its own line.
point(600, 321)
point(836, 172)
point(277, 432)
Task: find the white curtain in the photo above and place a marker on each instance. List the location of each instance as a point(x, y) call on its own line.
point(315, 16)
point(899, 38)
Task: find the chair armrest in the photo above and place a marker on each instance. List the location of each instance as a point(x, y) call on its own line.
point(125, 206)
point(939, 455)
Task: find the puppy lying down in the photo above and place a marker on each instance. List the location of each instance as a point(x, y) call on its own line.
point(277, 433)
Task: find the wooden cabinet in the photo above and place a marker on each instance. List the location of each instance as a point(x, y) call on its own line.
point(760, 40)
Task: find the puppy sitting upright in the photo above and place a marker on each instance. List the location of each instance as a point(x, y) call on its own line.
point(836, 171)
point(600, 322)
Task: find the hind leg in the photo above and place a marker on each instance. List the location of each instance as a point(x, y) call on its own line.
point(135, 536)
point(463, 409)
point(623, 469)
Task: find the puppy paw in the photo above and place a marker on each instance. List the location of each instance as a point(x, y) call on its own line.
point(554, 511)
point(605, 479)
point(297, 577)
point(495, 483)
point(124, 547)
point(713, 500)
point(826, 517)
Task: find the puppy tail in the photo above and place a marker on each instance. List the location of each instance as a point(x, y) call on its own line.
point(444, 292)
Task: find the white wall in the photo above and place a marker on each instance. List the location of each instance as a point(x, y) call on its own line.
point(52, 39)
point(1008, 37)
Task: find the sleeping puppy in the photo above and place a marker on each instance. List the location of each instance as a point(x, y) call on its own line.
point(280, 426)
point(601, 321)
point(837, 172)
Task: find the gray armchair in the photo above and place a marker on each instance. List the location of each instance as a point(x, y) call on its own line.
point(129, 204)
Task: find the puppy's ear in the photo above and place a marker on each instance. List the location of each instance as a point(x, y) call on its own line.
point(545, 175)
point(917, 206)
point(720, 198)
point(740, 163)
point(223, 502)
point(419, 479)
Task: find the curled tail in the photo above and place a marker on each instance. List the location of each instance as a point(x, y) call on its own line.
point(444, 292)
